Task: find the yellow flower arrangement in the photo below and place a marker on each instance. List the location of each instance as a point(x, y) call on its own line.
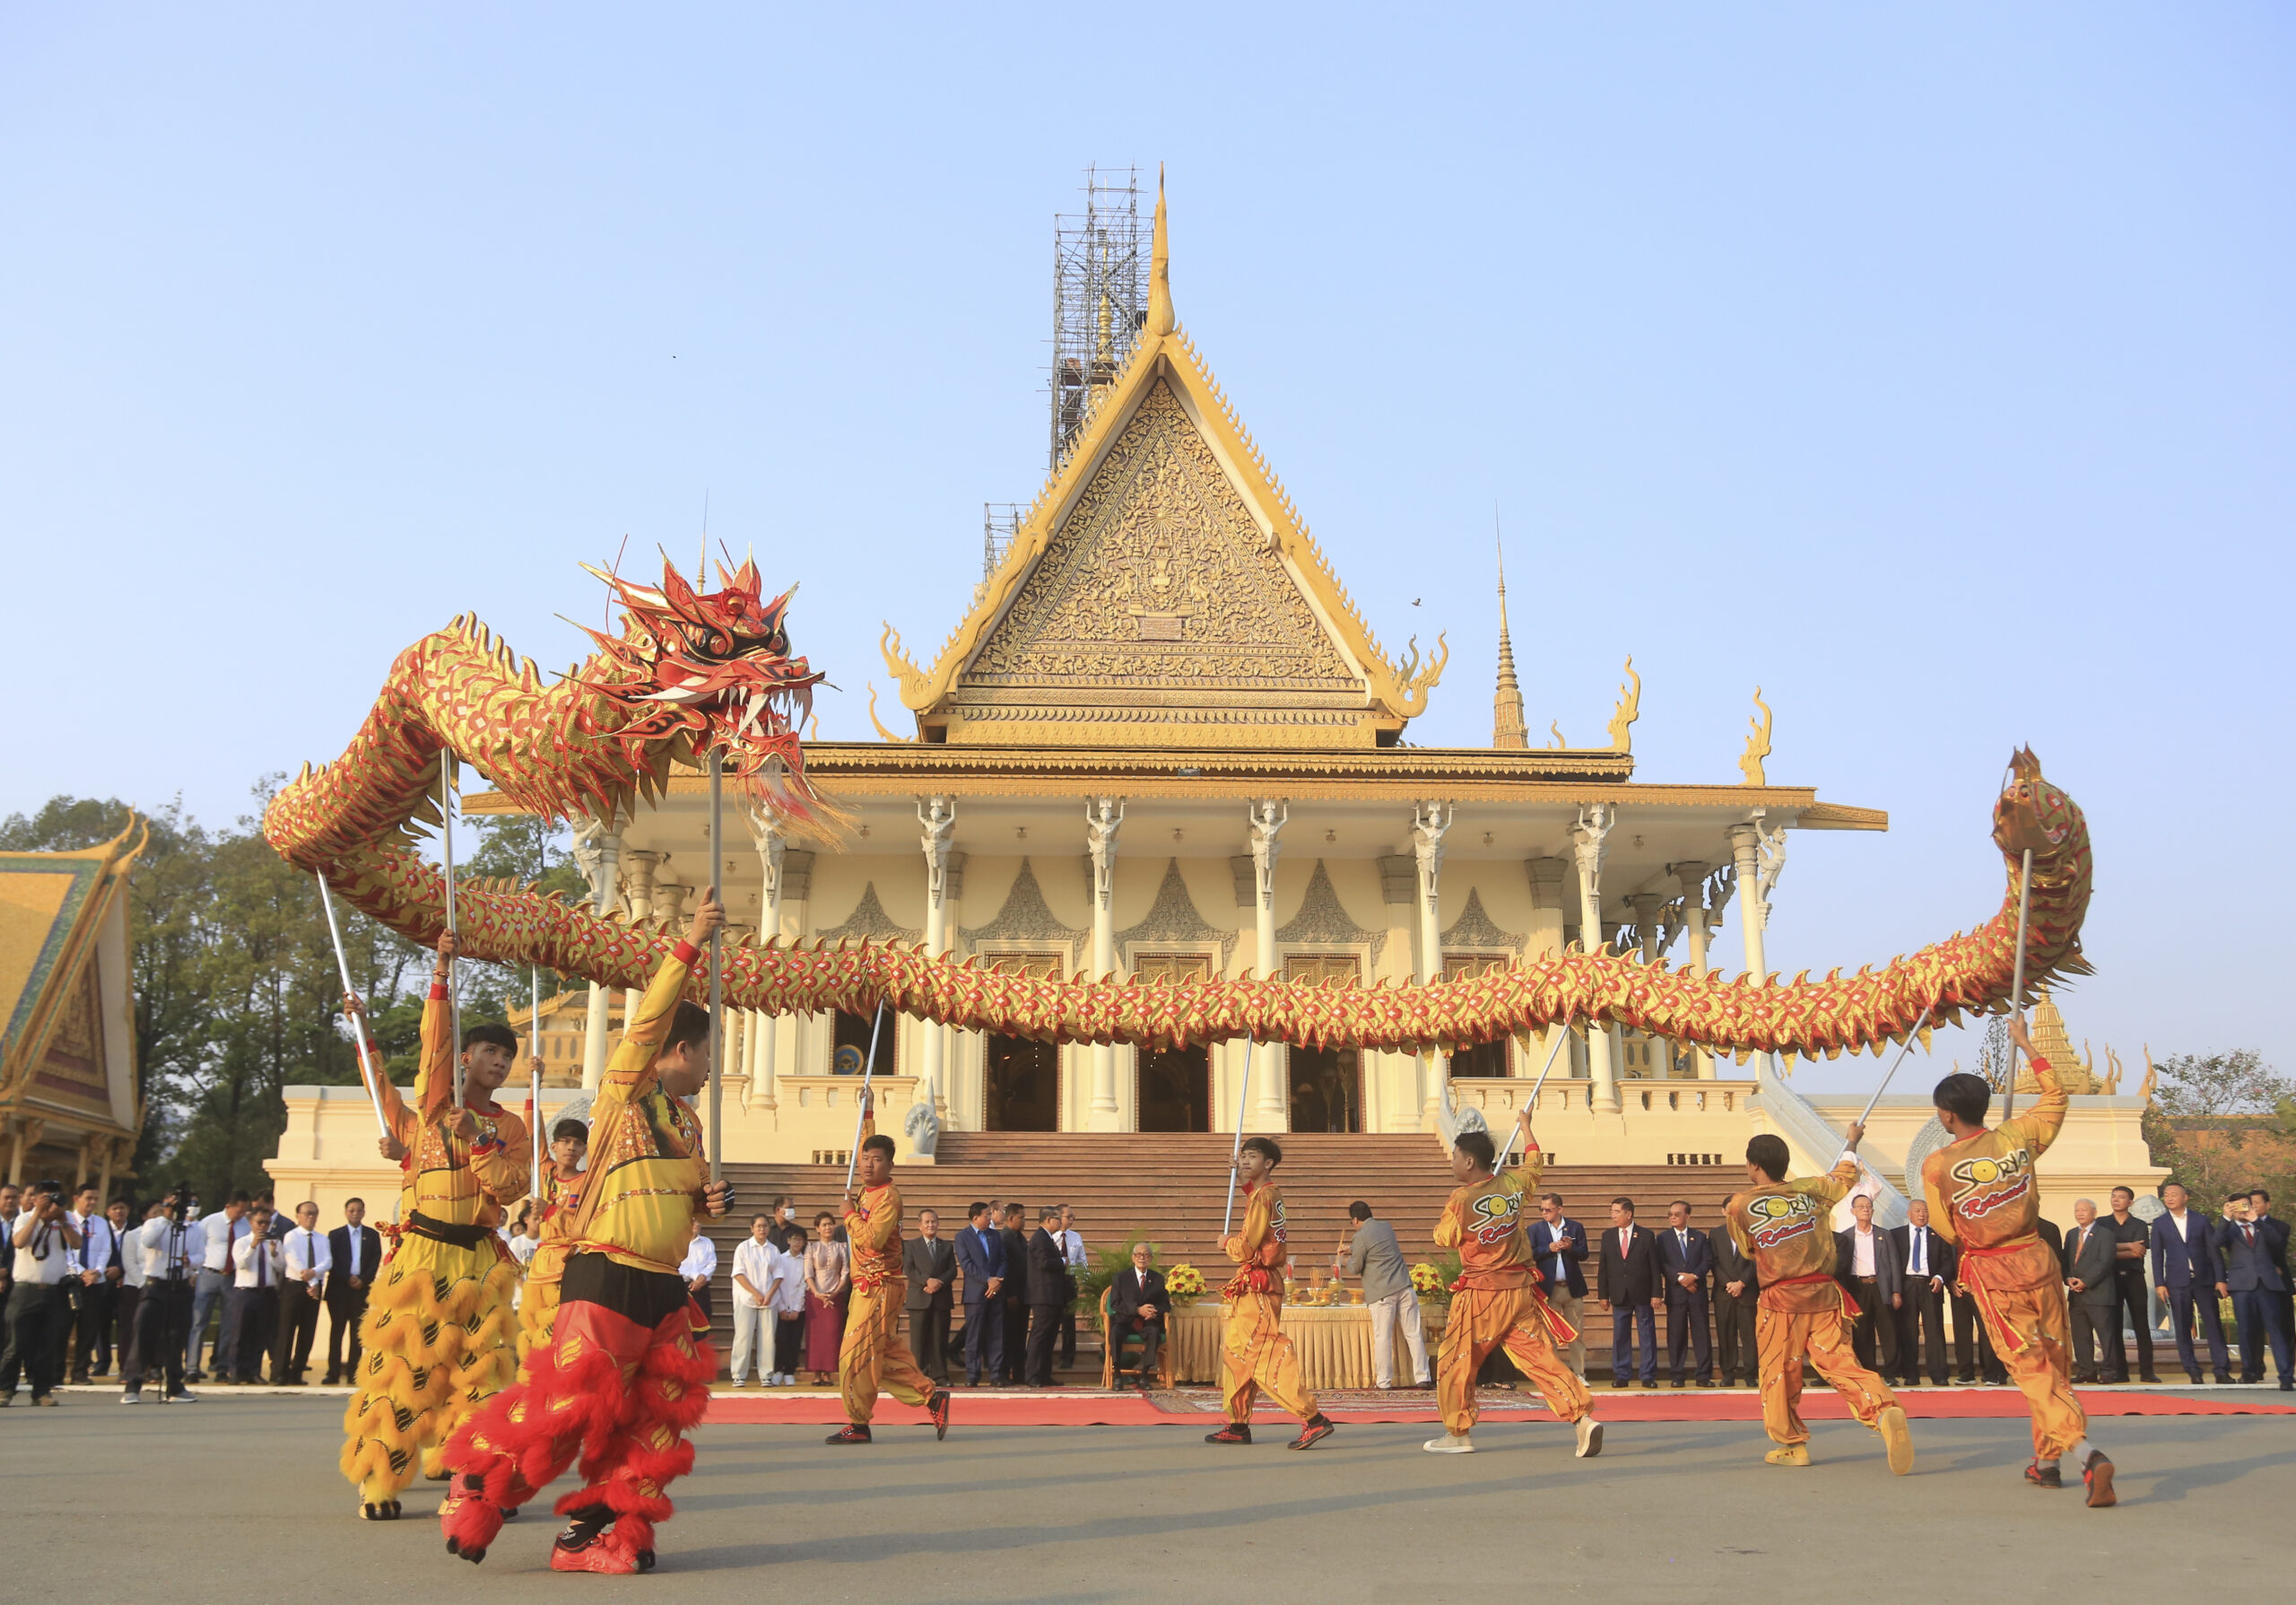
point(1184, 1281)
point(1428, 1281)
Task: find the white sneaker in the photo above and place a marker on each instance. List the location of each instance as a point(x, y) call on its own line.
point(1448, 1444)
point(1590, 1437)
point(131, 1399)
point(187, 1396)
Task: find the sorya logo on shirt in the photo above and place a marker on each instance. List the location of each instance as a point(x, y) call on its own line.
point(1275, 1223)
point(1779, 1217)
point(1495, 1216)
point(1990, 1183)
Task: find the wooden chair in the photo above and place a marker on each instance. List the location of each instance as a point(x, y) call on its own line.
point(1112, 1346)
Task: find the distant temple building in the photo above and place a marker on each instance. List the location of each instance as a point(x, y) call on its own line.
point(68, 1107)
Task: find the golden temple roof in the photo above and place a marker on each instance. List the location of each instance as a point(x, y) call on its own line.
point(1163, 592)
point(2075, 1074)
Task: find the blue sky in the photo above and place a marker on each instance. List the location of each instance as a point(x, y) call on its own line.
point(1931, 369)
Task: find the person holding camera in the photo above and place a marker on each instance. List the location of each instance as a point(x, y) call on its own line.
point(96, 1299)
point(169, 1247)
point(255, 1275)
point(39, 1310)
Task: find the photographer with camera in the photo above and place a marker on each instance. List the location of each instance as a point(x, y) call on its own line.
point(170, 1245)
point(95, 1302)
point(40, 1312)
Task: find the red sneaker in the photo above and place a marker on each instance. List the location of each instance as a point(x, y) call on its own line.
point(937, 1407)
point(1233, 1433)
point(605, 1553)
point(2044, 1476)
point(1319, 1426)
point(855, 1434)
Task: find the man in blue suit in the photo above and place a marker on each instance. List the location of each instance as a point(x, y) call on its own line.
point(2255, 1258)
point(1687, 1262)
point(1559, 1244)
point(980, 1261)
point(2184, 1257)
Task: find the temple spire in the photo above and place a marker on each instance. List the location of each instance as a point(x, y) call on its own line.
point(1507, 705)
point(1161, 320)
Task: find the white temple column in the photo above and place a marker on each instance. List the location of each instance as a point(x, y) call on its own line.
point(1103, 815)
point(765, 837)
point(1649, 914)
point(1759, 855)
point(598, 853)
point(937, 817)
point(1547, 942)
point(1692, 879)
point(1430, 823)
point(1268, 816)
point(1595, 823)
point(639, 865)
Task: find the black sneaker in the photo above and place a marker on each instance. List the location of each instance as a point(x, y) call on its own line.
point(1319, 1426)
point(937, 1407)
point(1233, 1433)
point(2098, 1474)
point(2044, 1476)
point(855, 1434)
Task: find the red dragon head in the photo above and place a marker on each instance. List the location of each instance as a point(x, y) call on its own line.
point(694, 670)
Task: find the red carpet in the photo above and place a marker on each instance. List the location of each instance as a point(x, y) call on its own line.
point(1089, 1407)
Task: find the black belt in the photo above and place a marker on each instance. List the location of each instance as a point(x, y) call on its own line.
point(445, 1231)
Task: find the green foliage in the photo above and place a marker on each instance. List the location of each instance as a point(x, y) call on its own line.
point(2222, 1122)
point(237, 993)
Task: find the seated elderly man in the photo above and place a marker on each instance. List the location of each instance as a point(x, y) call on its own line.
point(1136, 1304)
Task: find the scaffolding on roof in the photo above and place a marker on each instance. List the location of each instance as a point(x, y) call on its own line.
point(1099, 296)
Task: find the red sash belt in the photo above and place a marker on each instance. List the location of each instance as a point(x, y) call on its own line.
point(1848, 1304)
point(2005, 1335)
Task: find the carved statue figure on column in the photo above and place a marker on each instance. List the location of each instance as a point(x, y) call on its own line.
point(938, 816)
point(1103, 815)
point(1268, 817)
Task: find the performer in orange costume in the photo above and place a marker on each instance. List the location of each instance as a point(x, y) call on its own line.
point(1254, 1352)
point(1982, 1196)
point(1786, 1229)
point(1496, 1302)
point(438, 1337)
point(557, 1195)
point(872, 1353)
point(628, 1366)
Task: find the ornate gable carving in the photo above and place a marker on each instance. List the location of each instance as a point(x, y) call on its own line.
point(1027, 917)
point(1173, 918)
point(869, 920)
point(1322, 919)
point(1474, 928)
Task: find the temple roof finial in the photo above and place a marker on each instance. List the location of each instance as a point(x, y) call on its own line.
point(1161, 320)
point(1506, 730)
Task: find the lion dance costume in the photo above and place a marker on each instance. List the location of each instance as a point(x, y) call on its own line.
point(1255, 1356)
point(1786, 1229)
point(437, 1341)
point(1981, 1195)
point(1496, 1303)
point(626, 1371)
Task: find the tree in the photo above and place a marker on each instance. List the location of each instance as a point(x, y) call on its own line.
point(2224, 1121)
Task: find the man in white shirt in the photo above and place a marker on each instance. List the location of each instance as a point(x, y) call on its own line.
point(755, 1327)
point(166, 1252)
point(256, 1273)
point(97, 1298)
point(131, 1282)
point(1929, 1261)
point(354, 1250)
point(699, 1267)
point(789, 1293)
point(1867, 1264)
point(1071, 1250)
point(40, 1312)
point(217, 1232)
point(301, 1288)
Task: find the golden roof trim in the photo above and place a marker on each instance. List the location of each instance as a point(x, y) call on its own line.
point(1397, 691)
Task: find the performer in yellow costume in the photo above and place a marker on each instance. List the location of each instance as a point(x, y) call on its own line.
point(1983, 1198)
point(1496, 1302)
point(873, 1353)
point(557, 1195)
point(1786, 1229)
point(437, 1339)
point(628, 1363)
point(1255, 1355)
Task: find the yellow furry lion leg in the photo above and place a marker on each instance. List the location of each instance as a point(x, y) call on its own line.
point(537, 1310)
point(485, 1355)
point(404, 1378)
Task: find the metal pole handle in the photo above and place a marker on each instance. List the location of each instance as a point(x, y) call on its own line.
point(861, 1114)
point(1561, 1035)
point(1236, 1155)
point(368, 1075)
point(2017, 983)
point(1911, 1037)
point(717, 968)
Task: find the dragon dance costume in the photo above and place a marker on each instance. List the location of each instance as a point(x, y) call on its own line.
point(437, 1340)
point(1496, 1301)
point(873, 1353)
point(1255, 1356)
point(538, 1306)
point(1982, 1198)
point(626, 1369)
point(1786, 1229)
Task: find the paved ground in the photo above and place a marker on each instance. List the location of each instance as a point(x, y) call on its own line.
point(238, 1499)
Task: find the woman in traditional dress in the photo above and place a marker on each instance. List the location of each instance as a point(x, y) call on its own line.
point(828, 1284)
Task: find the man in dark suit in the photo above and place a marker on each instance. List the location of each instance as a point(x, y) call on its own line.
point(981, 1255)
point(1136, 1304)
point(354, 1250)
point(1016, 1295)
point(1049, 1294)
point(2184, 1258)
point(1866, 1263)
point(1559, 1244)
point(930, 1265)
point(1630, 1286)
point(1929, 1261)
point(2088, 1258)
point(2253, 1257)
point(2131, 1238)
point(1686, 1260)
point(2260, 1211)
point(1737, 1303)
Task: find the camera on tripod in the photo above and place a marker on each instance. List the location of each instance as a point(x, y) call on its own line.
point(179, 1202)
